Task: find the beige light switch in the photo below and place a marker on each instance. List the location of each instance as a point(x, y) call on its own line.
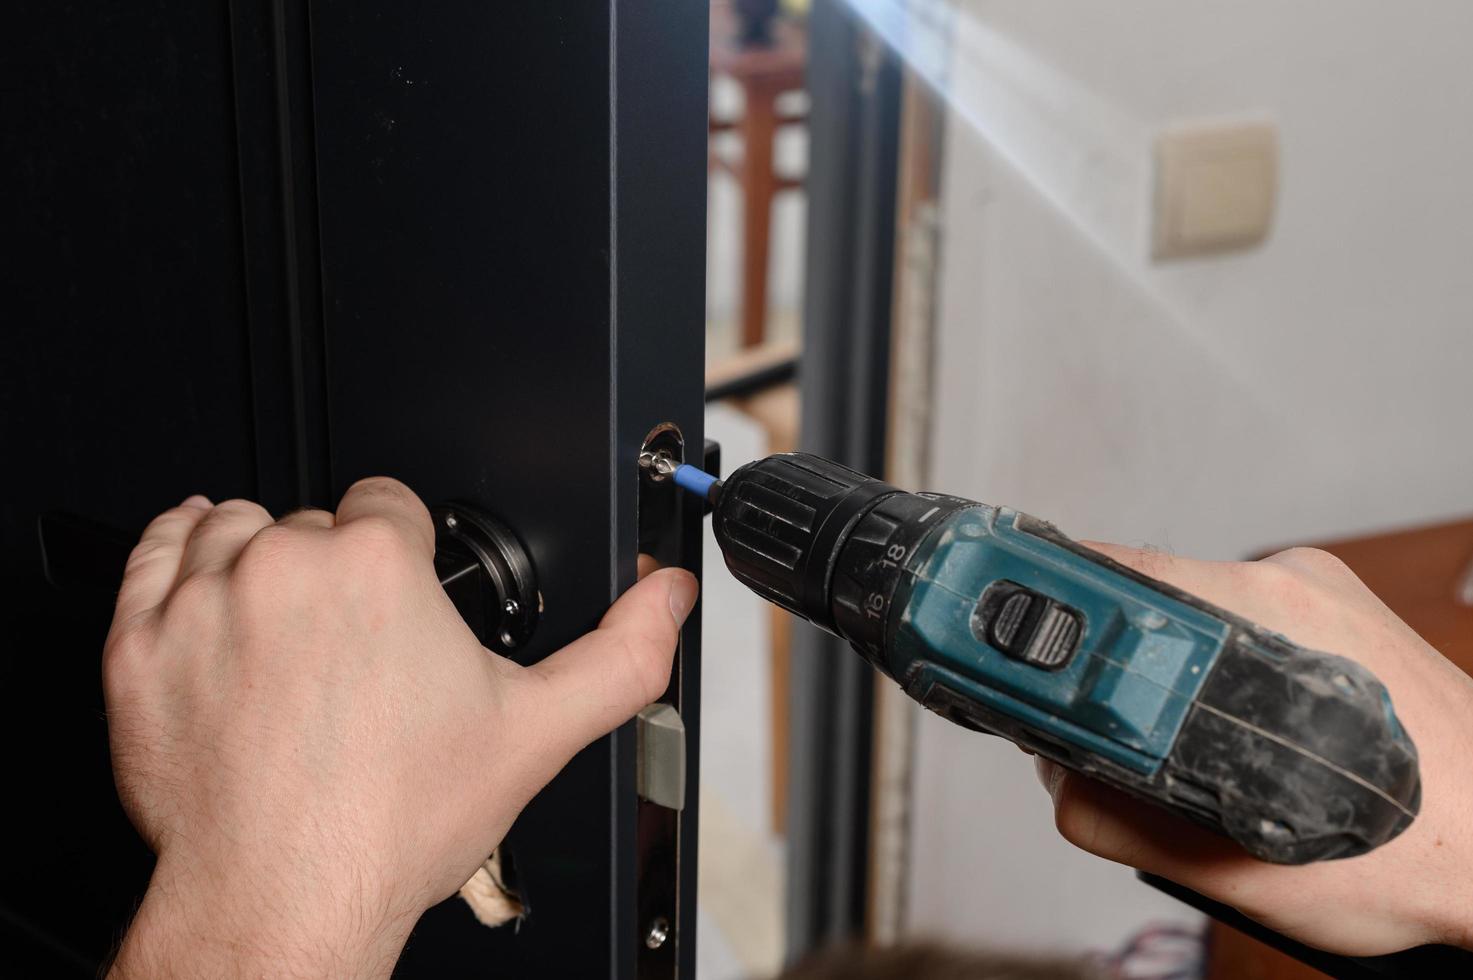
point(1215, 187)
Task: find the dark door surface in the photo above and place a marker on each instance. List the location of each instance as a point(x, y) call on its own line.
point(264, 249)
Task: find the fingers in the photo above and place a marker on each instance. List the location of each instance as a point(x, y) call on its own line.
point(309, 517)
point(220, 535)
point(600, 681)
point(1117, 827)
point(153, 564)
point(386, 500)
point(1108, 823)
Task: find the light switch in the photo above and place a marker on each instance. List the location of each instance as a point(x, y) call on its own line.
point(1215, 187)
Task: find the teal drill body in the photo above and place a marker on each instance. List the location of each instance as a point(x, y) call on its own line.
point(999, 622)
point(1139, 660)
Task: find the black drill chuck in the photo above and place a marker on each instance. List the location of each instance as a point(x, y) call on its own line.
point(824, 542)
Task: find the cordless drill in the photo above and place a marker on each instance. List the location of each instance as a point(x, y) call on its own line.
point(1000, 623)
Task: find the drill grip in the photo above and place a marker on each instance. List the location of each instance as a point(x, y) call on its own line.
point(1295, 754)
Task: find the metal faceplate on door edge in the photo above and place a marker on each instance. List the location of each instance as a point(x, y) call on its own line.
point(670, 527)
point(657, 824)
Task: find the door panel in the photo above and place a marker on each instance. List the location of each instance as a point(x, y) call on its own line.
point(274, 247)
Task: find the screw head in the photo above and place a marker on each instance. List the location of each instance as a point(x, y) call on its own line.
point(452, 521)
point(657, 464)
point(511, 607)
point(659, 931)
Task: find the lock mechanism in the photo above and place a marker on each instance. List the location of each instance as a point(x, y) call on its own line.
point(488, 574)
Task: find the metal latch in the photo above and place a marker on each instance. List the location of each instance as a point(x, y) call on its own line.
point(660, 747)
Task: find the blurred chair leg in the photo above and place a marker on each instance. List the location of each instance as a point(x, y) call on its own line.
point(759, 184)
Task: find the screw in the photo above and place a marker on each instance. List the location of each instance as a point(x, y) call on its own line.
point(451, 521)
point(659, 932)
point(511, 607)
point(659, 464)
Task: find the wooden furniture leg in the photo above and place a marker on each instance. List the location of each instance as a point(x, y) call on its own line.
point(759, 184)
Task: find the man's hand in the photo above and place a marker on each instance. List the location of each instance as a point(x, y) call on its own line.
point(314, 743)
point(1416, 889)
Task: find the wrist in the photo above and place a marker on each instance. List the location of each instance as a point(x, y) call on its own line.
point(196, 922)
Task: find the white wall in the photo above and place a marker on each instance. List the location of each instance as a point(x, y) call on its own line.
point(1319, 385)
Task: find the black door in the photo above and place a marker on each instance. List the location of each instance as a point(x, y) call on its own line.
point(263, 249)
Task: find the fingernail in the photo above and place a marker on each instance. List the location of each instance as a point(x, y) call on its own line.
point(683, 590)
point(197, 501)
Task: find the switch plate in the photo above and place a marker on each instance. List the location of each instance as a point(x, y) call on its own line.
point(1215, 187)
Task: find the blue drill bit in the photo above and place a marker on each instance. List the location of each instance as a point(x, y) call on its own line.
point(697, 481)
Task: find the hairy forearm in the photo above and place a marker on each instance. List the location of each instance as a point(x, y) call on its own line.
point(194, 923)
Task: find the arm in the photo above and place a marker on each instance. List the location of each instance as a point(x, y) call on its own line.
point(313, 742)
point(1418, 888)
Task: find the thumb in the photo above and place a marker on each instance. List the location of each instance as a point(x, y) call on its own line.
point(599, 681)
